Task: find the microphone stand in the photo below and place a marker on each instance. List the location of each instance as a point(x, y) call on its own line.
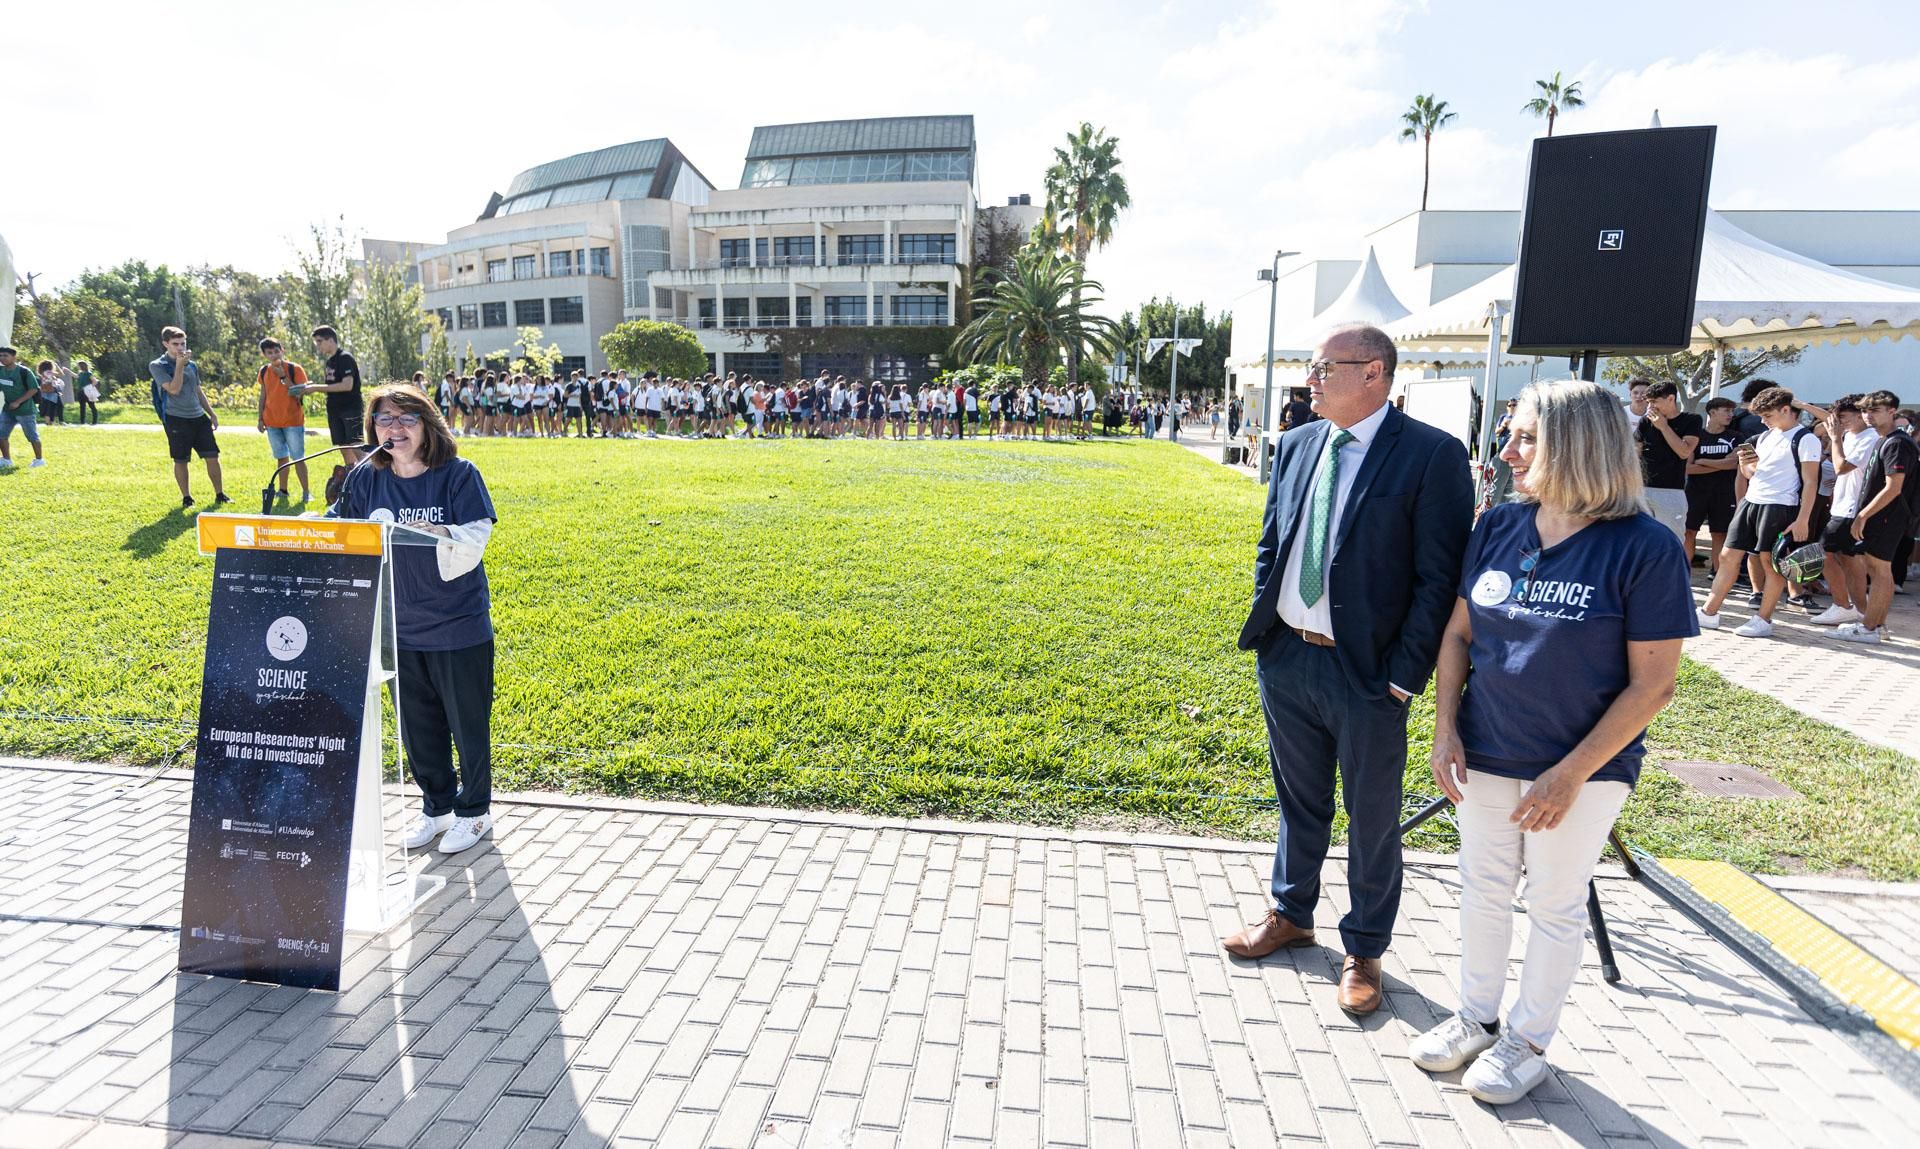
point(273, 482)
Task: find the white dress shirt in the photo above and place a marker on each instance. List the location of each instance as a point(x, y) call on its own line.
point(1293, 609)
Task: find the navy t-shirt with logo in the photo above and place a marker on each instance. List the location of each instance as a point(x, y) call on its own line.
point(430, 614)
point(1547, 667)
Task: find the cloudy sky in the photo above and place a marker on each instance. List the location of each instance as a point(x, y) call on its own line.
point(219, 135)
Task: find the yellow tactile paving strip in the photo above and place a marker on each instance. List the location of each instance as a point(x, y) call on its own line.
point(1851, 973)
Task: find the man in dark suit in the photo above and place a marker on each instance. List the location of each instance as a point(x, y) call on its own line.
point(1367, 519)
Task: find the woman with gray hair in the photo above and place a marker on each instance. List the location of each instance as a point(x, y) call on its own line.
point(1564, 643)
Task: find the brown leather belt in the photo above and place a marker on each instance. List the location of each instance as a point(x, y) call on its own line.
point(1311, 638)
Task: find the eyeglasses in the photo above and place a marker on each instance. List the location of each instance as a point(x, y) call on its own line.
point(407, 421)
point(1324, 367)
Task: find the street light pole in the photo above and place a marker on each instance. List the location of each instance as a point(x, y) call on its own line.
point(1272, 276)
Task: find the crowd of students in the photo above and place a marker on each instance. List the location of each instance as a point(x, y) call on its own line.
point(615, 405)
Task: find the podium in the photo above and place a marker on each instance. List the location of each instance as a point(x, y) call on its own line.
point(286, 850)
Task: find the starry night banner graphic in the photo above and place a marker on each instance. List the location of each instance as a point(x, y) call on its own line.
point(282, 697)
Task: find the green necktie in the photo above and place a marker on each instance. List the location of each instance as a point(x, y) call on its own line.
point(1313, 563)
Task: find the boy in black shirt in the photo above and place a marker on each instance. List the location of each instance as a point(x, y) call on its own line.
point(1710, 481)
point(1666, 436)
point(345, 414)
point(1887, 503)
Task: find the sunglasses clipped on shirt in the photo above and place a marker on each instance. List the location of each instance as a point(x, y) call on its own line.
point(408, 421)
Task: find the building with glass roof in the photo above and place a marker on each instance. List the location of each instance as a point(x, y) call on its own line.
point(842, 223)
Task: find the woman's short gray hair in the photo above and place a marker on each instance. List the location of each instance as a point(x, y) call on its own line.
point(1584, 459)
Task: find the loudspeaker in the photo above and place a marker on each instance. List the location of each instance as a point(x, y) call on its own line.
point(1610, 245)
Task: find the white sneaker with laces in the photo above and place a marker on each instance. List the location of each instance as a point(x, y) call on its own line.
point(1451, 1044)
point(36, 463)
point(1858, 632)
point(1505, 1073)
point(1835, 615)
point(424, 829)
point(465, 832)
point(1706, 621)
point(1755, 627)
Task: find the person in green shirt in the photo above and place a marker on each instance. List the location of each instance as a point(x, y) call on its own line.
point(19, 388)
point(86, 393)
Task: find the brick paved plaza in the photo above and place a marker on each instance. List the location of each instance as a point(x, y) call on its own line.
point(638, 974)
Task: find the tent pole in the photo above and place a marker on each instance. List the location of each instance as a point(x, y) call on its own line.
point(1713, 384)
point(1496, 315)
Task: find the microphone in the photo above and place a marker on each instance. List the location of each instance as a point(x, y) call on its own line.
point(273, 481)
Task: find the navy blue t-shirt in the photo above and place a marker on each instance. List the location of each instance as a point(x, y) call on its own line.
point(1546, 669)
point(430, 614)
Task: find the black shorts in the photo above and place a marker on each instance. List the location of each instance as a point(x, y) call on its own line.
point(1822, 514)
point(1757, 526)
point(346, 425)
point(1838, 539)
point(1883, 533)
point(186, 437)
point(1715, 512)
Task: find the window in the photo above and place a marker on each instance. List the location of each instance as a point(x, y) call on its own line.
point(773, 312)
point(445, 316)
point(529, 312)
point(733, 252)
point(767, 173)
point(758, 364)
point(469, 317)
point(846, 310)
point(937, 166)
point(571, 363)
point(792, 250)
point(863, 248)
point(864, 167)
point(926, 248)
point(804, 316)
point(496, 270)
point(571, 309)
point(735, 314)
point(525, 266)
point(599, 261)
point(706, 313)
point(493, 314)
point(901, 368)
point(851, 364)
point(559, 263)
point(919, 310)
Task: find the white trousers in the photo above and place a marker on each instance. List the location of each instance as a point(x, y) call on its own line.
point(1670, 507)
point(1559, 864)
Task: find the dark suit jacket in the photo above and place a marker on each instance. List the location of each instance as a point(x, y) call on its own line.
point(1396, 555)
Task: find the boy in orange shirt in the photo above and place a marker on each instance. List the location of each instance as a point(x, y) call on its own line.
point(283, 418)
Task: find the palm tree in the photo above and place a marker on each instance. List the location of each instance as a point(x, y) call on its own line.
point(1553, 98)
point(1085, 194)
point(1425, 117)
point(1033, 314)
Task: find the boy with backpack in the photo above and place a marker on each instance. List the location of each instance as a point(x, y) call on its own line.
point(1782, 469)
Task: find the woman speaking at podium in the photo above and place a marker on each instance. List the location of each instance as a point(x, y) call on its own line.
point(442, 615)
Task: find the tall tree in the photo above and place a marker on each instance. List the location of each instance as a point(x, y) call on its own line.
point(438, 359)
point(1034, 315)
point(1425, 117)
point(1555, 97)
point(1205, 370)
point(1692, 372)
point(387, 323)
point(1085, 194)
point(321, 285)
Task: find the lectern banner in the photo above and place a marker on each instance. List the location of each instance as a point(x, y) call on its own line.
point(289, 643)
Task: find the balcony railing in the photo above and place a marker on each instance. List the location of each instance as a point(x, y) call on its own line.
point(860, 259)
point(742, 322)
point(481, 279)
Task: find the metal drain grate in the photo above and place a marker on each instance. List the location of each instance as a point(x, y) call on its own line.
point(1729, 780)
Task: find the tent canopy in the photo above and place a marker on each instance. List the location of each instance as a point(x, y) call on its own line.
point(1367, 299)
point(1752, 295)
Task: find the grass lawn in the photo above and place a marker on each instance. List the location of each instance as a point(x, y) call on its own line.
point(1029, 632)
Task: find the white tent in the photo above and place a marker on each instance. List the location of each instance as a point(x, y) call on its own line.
point(1367, 299)
point(1752, 295)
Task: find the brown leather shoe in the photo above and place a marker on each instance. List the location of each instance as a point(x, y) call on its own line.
point(1360, 985)
point(1265, 936)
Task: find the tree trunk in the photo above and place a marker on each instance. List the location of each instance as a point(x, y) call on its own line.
point(1551, 111)
point(1080, 245)
point(1426, 167)
point(46, 326)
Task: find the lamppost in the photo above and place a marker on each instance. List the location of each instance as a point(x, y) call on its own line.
point(1271, 276)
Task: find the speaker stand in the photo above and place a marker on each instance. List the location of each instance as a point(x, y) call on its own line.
point(1596, 917)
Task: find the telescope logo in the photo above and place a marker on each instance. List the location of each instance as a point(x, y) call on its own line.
point(1614, 240)
point(286, 638)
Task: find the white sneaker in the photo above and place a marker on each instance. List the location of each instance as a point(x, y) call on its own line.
point(1451, 1044)
point(1755, 627)
point(36, 463)
point(1835, 615)
point(465, 832)
point(1858, 632)
point(6, 464)
point(1505, 1073)
point(1706, 621)
point(423, 829)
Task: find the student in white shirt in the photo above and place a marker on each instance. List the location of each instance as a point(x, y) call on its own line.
point(1782, 468)
point(1852, 444)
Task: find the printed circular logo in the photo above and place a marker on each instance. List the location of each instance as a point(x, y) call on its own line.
point(1492, 588)
point(286, 638)
point(380, 515)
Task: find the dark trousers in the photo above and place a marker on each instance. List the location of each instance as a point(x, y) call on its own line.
point(89, 410)
point(446, 704)
point(1314, 719)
